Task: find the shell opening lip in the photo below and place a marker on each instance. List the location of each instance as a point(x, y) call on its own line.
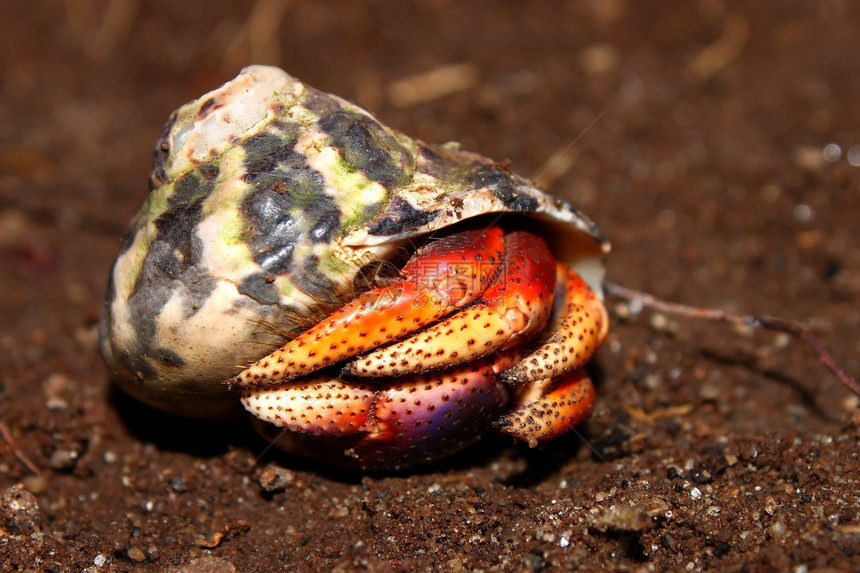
point(584, 248)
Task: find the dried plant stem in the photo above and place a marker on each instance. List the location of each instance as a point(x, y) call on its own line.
point(10, 441)
point(716, 315)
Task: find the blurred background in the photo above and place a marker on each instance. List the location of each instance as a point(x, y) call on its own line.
point(664, 122)
point(716, 143)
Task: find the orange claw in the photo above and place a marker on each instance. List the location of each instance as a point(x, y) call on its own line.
point(513, 308)
point(401, 422)
point(583, 328)
point(552, 407)
point(443, 275)
point(321, 406)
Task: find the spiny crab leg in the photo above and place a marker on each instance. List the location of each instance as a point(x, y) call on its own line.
point(454, 405)
point(556, 394)
point(399, 413)
point(443, 275)
point(513, 308)
point(442, 404)
point(551, 407)
point(318, 405)
point(583, 328)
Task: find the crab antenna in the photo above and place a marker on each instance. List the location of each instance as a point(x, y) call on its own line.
point(716, 315)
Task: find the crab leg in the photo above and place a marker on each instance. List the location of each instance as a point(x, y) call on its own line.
point(551, 407)
point(513, 308)
point(583, 328)
point(442, 276)
point(452, 405)
point(321, 405)
point(424, 415)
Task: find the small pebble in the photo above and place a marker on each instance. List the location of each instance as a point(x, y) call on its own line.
point(777, 529)
point(831, 152)
point(853, 155)
point(808, 158)
point(177, 484)
point(64, 459)
point(35, 484)
point(771, 505)
point(710, 392)
point(275, 478)
point(56, 404)
point(53, 387)
point(659, 322)
point(19, 511)
point(598, 59)
point(136, 554)
point(620, 518)
point(622, 310)
point(205, 565)
point(803, 213)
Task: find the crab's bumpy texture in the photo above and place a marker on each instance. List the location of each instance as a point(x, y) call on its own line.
point(269, 200)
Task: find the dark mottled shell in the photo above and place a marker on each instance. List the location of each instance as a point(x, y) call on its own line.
point(268, 198)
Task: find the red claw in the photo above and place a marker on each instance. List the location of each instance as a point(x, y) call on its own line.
point(320, 406)
point(442, 276)
point(583, 328)
point(406, 421)
point(512, 309)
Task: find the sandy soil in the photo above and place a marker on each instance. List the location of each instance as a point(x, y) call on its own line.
point(711, 449)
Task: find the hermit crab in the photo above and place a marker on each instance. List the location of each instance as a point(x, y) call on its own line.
point(384, 301)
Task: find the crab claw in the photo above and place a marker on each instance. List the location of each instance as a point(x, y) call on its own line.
point(421, 416)
point(550, 408)
point(320, 406)
point(410, 420)
point(583, 328)
point(443, 275)
point(513, 308)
